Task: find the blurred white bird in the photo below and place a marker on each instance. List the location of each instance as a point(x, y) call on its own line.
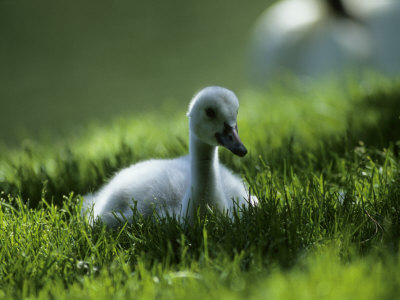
point(310, 38)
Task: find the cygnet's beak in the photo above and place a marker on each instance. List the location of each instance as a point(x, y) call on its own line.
point(229, 138)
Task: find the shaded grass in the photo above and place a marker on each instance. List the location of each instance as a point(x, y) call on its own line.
point(323, 161)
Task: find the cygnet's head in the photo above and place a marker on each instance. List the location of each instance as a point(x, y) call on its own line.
point(212, 118)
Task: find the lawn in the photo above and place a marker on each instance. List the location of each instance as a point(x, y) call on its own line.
point(323, 161)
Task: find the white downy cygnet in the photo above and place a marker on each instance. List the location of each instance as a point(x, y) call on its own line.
point(183, 185)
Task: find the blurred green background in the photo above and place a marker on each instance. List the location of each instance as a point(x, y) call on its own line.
point(64, 63)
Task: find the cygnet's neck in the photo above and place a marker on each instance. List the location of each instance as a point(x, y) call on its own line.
point(205, 187)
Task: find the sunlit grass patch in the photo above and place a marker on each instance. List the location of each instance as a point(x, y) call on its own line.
point(324, 162)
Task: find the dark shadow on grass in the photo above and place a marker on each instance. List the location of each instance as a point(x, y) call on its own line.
point(384, 107)
point(374, 123)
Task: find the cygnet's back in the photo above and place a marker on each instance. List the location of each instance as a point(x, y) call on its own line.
point(153, 184)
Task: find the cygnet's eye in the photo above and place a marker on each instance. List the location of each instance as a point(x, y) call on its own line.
point(210, 113)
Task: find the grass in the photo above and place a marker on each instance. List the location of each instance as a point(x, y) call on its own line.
point(324, 162)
